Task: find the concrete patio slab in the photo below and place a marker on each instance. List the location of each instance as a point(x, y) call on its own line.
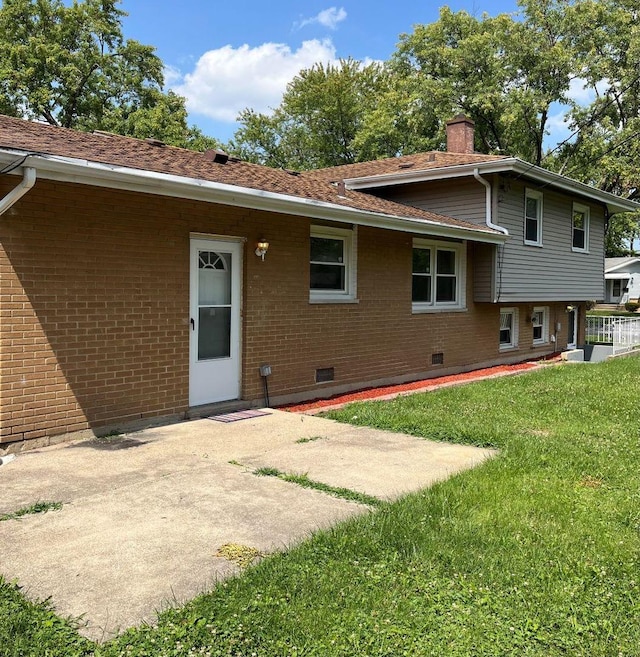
point(144, 514)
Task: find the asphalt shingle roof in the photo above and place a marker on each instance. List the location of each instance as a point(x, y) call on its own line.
point(404, 163)
point(147, 155)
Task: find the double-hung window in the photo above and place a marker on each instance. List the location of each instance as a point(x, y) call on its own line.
point(438, 271)
point(533, 218)
point(332, 264)
point(580, 228)
point(508, 328)
point(540, 325)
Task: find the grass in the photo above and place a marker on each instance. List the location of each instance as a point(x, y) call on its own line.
point(37, 507)
point(309, 440)
point(336, 491)
point(534, 553)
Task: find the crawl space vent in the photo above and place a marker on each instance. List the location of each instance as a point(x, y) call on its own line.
point(437, 359)
point(324, 374)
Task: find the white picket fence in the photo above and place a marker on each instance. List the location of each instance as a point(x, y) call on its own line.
point(622, 332)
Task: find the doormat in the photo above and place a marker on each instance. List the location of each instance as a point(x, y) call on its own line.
point(240, 415)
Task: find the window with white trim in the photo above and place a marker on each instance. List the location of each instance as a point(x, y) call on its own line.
point(438, 275)
point(580, 228)
point(540, 325)
point(332, 264)
point(508, 328)
point(533, 217)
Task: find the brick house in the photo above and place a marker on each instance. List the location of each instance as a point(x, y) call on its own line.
point(135, 286)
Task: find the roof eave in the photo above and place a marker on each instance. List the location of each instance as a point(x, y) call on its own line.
point(626, 263)
point(138, 180)
point(614, 203)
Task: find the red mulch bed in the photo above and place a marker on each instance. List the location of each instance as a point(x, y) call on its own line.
point(424, 384)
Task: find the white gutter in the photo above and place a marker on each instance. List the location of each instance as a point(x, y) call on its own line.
point(488, 203)
point(150, 182)
point(28, 181)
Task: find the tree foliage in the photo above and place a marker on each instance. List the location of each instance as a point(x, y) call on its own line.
point(512, 74)
point(316, 123)
point(71, 66)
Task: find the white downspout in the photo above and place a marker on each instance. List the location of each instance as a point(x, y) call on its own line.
point(28, 181)
point(488, 203)
point(497, 275)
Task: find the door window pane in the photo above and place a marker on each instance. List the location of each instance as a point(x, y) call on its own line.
point(214, 279)
point(214, 333)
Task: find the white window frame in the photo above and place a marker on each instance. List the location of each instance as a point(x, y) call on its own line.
point(532, 193)
point(585, 210)
point(514, 329)
point(349, 240)
point(544, 324)
point(460, 250)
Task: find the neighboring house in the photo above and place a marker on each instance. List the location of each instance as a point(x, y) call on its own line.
point(622, 280)
point(141, 282)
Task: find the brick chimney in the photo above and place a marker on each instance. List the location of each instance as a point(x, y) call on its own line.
point(460, 131)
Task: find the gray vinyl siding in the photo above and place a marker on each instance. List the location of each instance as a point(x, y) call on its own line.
point(516, 272)
point(552, 272)
point(460, 198)
point(484, 268)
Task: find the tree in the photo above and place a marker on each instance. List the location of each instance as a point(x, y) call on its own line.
point(316, 123)
point(71, 66)
point(622, 230)
point(503, 73)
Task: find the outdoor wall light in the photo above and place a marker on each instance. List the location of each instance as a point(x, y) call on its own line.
point(570, 309)
point(261, 248)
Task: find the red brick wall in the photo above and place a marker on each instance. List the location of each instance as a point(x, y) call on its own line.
point(94, 305)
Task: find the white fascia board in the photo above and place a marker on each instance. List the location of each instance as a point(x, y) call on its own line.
point(513, 164)
point(149, 182)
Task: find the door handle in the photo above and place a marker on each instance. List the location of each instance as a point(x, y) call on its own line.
point(193, 324)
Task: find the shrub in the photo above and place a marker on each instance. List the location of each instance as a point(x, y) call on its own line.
point(631, 306)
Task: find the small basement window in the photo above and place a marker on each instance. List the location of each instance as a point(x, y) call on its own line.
point(325, 374)
point(508, 328)
point(540, 325)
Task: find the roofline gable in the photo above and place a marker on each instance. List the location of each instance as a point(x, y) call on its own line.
point(614, 203)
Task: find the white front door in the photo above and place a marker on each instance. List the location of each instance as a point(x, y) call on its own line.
point(214, 369)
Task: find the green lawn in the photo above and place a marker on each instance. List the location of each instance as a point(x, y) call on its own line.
point(536, 552)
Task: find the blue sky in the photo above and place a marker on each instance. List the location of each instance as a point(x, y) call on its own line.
point(225, 56)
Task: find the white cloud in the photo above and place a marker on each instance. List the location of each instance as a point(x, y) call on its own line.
point(579, 92)
point(172, 75)
point(227, 80)
point(327, 18)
